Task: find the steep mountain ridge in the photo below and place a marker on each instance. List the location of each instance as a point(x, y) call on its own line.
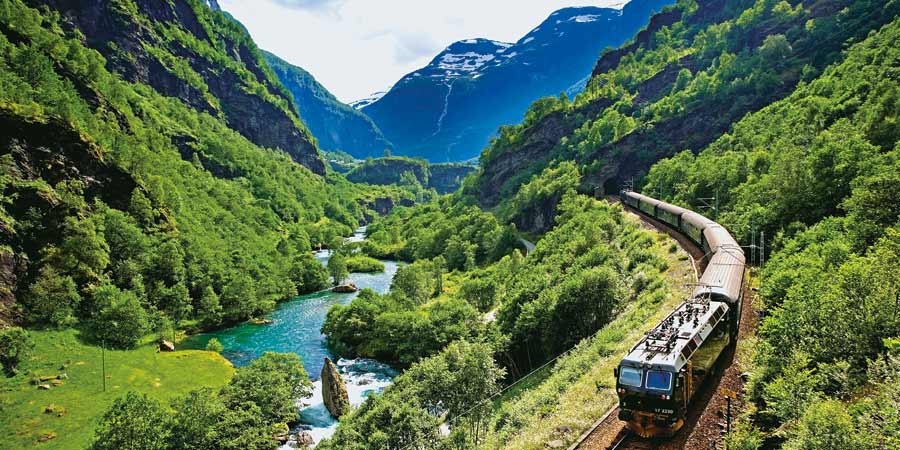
point(206, 60)
point(336, 126)
point(678, 85)
point(116, 198)
point(448, 110)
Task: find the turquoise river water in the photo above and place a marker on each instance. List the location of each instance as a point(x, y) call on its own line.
point(296, 329)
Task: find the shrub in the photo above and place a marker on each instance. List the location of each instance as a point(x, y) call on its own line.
point(364, 264)
point(15, 346)
point(214, 346)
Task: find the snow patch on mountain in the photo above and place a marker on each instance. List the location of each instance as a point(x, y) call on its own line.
point(466, 62)
point(586, 18)
point(363, 102)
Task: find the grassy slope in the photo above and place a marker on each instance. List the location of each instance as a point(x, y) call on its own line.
point(569, 396)
point(160, 375)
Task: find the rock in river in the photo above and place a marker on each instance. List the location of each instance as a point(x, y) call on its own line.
point(345, 288)
point(334, 393)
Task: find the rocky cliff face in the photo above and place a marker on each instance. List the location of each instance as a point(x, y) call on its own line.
point(447, 178)
point(184, 49)
point(334, 393)
point(448, 110)
point(43, 152)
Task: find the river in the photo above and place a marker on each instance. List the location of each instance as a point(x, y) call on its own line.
point(296, 329)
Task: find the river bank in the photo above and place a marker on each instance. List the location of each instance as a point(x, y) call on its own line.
point(295, 327)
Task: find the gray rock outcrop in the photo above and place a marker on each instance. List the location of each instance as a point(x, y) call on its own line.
point(334, 393)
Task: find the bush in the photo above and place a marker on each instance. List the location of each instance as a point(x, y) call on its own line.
point(15, 346)
point(825, 425)
point(53, 299)
point(364, 264)
point(214, 346)
point(134, 422)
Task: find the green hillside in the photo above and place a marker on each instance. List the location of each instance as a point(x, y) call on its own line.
point(819, 173)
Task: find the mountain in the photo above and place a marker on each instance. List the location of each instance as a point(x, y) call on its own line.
point(448, 110)
point(679, 85)
point(140, 168)
point(442, 177)
point(218, 71)
point(335, 125)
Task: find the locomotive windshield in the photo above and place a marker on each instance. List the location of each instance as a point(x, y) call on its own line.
point(658, 380)
point(629, 376)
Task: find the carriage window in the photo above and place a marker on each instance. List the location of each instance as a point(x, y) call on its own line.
point(659, 380)
point(629, 376)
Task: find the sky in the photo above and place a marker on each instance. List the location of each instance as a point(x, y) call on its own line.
point(358, 47)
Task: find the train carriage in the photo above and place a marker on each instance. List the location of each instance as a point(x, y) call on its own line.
point(648, 206)
point(692, 225)
point(670, 214)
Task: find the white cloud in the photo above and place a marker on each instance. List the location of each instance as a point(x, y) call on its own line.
point(357, 47)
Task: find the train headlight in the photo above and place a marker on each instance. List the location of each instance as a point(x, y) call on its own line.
point(665, 397)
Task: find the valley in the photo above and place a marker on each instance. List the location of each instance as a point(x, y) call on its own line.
point(203, 248)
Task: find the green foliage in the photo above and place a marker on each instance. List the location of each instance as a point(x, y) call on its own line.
point(52, 299)
point(337, 267)
point(273, 382)
point(825, 425)
point(15, 347)
point(121, 320)
point(397, 327)
point(571, 284)
point(214, 346)
point(464, 235)
point(201, 243)
point(542, 192)
point(245, 414)
point(453, 382)
point(196, 423)
point(363, 264)
point(134, 422)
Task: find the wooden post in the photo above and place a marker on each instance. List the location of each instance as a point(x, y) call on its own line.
point(103, 358)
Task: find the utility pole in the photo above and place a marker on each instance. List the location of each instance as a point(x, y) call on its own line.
point(711, 203)
point(103, 358)
point(752, 246)
point(762, 255)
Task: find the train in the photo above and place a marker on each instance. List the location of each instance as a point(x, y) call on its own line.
point(661, 375)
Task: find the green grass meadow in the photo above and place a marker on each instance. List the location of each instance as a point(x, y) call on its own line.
point(80, 401)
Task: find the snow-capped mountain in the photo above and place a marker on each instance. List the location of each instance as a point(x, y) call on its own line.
point(449, 109)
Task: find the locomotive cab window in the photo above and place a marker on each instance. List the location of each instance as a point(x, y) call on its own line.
point(658, 380)
point(629, 376)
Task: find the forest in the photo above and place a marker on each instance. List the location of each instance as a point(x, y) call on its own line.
point(818, 173)
point(130, 215)
point(214, 232)
point(463, 316)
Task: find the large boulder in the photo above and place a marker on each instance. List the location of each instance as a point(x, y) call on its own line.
point(334, 393)
point(347, 288)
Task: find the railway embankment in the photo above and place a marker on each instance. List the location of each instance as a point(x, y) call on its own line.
point(579, 388)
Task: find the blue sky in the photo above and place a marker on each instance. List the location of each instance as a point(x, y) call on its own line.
point(357, 47)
